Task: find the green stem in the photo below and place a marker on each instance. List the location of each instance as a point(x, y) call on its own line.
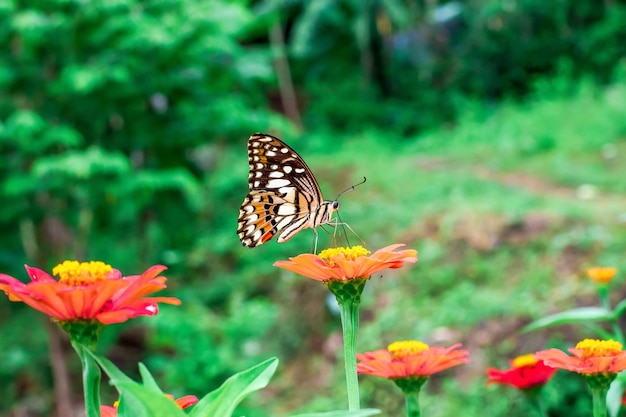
point(534, 398)
point(350, 325)
point(617, 331)
point(91, 380)
point(412, 404)
point(603, 294)
point(599, 401)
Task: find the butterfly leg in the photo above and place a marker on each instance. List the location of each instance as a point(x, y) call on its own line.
point(346, 225)
point(315, 241)
point(335, 225)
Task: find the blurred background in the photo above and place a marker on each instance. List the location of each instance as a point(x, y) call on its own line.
point(492, 134)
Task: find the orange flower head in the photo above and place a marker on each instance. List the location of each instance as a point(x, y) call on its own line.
point(410, 359)
point(89, 292)
point(589, 357)
point(526, 372)
point(601, 275)
point(345, 264)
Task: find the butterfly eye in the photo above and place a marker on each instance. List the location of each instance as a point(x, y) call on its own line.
point(335, 205)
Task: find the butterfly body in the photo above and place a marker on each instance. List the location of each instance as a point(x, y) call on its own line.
point(284, 196)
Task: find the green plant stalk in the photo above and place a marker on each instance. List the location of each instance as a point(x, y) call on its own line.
point(599, 401)
point(617, 331)
point(91, 380)
point(411, 387)
point(350, 328)
point(533, 395)
point(412, 404)
point(348, 295)
point(603, 294)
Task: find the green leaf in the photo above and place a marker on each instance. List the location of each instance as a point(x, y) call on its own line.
point(620, 308)
point(614, 397)
point(303, 42)
point(58, 136)
point(23, 126)
point(82, 165)
point(81, 79)
point(115, 375)
point(147, 378)
point(343, 413)
point(576, 315)
point(222, 401)
point(137, 400)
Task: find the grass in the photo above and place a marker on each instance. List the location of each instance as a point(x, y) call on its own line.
point(498, 211)
point(506, 210)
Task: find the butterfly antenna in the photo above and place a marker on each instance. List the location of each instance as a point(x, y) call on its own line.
point(351, 188)
point(344, 225)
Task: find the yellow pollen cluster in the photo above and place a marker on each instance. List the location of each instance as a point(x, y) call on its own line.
point(524, 360)
point(601, 275)
point(76, 273)
point(348, 253)
point(596, 348)
point(400, 350)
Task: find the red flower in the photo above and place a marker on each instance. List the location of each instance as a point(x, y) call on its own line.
point(108, 411)
point(344, 264)
point(410, 359)
point(89, 291)
point(590, 357)
point(526, 372)
point(186, 401)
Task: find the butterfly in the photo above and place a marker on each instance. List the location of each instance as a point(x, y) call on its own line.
point(284, 196)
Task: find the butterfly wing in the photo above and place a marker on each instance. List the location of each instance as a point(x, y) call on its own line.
point(284, 196)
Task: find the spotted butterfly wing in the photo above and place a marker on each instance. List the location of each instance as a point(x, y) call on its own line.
point(284, 196)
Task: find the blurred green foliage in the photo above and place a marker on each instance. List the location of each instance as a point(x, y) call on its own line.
point(491, 133)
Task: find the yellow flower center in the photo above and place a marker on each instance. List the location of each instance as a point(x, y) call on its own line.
point(76, 273)
point(348, 253)
point(601, 275)
point(400, 350)
point(524, 360)
point(596, 348)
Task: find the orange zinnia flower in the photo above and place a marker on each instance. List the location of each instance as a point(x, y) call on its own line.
point(344, 264)
point(410, 359)
point(590, 357)
point(601, 275)
point(89, 291)
point(182, 402)
point(526, 372)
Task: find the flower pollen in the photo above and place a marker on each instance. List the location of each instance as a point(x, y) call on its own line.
point(524, 361)
point(76, 273)
point(400, 350)
point(598, 348)
point(350, 253)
